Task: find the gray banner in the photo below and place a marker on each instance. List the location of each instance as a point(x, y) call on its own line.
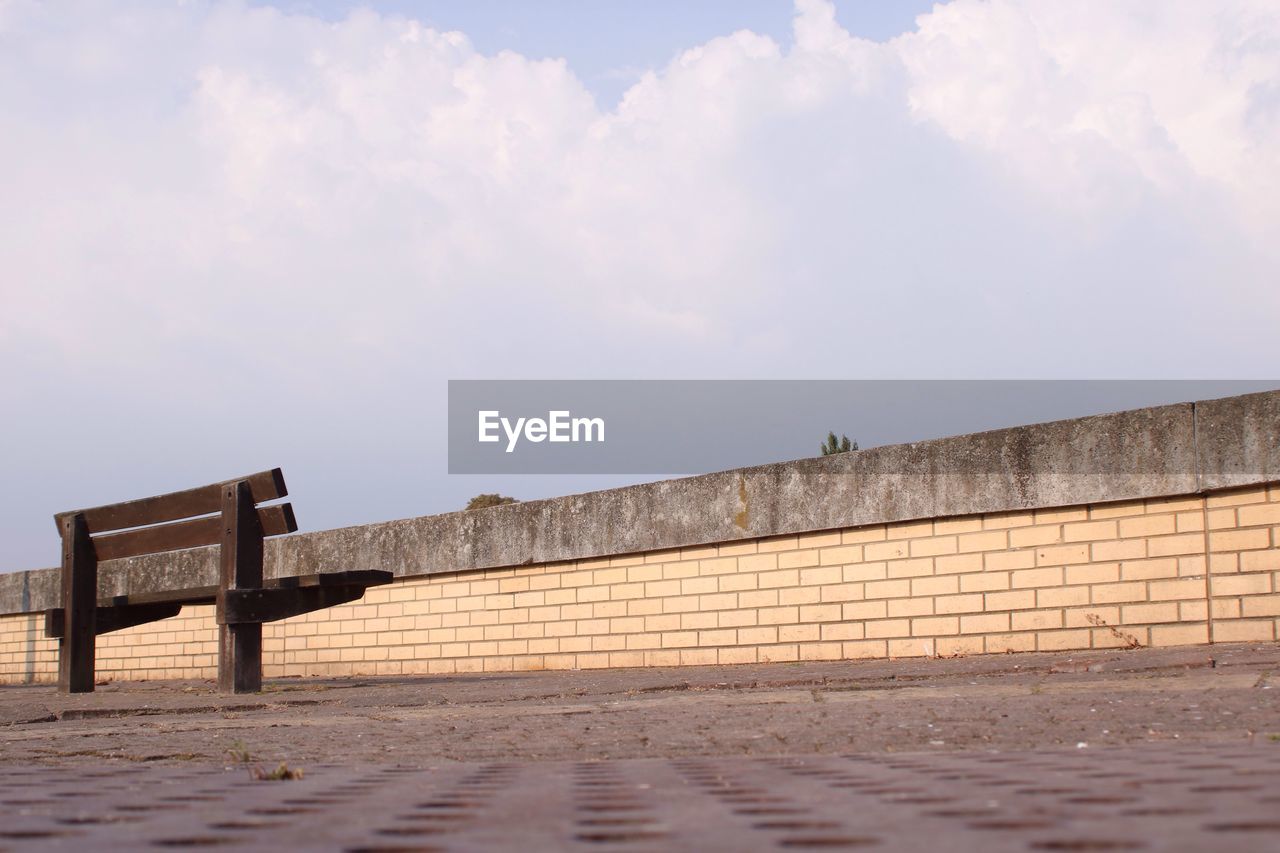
point(674, 427)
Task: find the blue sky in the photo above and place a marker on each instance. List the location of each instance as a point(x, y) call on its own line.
point(608, 43)
point(244, 236)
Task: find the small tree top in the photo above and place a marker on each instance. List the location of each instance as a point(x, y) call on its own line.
point(487, 500)
point(833, 445)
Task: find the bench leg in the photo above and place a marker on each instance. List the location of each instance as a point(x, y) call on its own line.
point(77, 646)
point(239, 645)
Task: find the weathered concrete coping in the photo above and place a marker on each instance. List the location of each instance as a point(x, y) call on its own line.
point(1155, 452)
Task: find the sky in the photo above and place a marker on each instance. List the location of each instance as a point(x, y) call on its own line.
point(238, 235)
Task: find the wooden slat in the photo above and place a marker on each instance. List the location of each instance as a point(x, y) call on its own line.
point(113, 617)
point(255, 606)
point(203, 500)
point(275, 520)
point(76, 649)
point(208, 594)
point(239, 567)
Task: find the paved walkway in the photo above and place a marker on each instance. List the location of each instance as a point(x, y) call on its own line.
point(1152, 749)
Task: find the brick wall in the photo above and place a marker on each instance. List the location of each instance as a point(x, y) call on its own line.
point(1101, 576)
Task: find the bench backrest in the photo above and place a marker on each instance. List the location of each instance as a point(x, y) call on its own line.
point(179, 520)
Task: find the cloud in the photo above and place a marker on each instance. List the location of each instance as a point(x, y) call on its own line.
point(212, 205)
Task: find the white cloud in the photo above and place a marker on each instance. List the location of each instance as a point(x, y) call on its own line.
point(207, 202)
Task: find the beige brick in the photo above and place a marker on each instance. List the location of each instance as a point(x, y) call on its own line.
point(984, 582)
point(984, 624)
point(1087, 617)
point(960, 524)
point(1061, 555)
point(1118, 592)
point(1051, 641)
point(640, 574)
point(1036, 620)
point(698, 620)
point(778, 615)
point(915, 648)
point(1145, 526)
point(1065, 596)
point(1092, 573)
point(820, 613)
point(737, 618)
point(886, 551)
point(1014, 600)
point(749, 563)
point(958, 646)
point(724, 565)
point(1259, 514)
point(999, 561)
point(1254, 584)
point(698, 657)
point(910, 607)
point(1158, 506)
point(865, 572)
point(797, 559)
point(1179, 635)
point(841, 555)
point(1134, 570)
point(818, 539)
point(888, 628)
point(1260, 605)
point(758, 636)
point(888, 589)
point(798, 633)
point(1240, 540)
point(699, 585)
point(1219, 519)
point(1037, 577)
point(758, 598)
point(1121, 549)
point(800, 595)
point(788, 577)
point(865, 610)
point(862, 535)
point(1242, 631)
point(910, 529)
point(737, 655)
point(1236, 497)
point(774, 544)
point(957, 564)
point(933, 547)
point(832, 631)
point(865, 649)
point(992, 540)
point(935, 586)
point(1061, 515)
point(958, 604)
point(918, 567)
point(1260, 561)
point(1089, 531)
point(736, 549)
point(1006, 520)
point(1168, 546)
point(1135, 614)
point(1193, 611)
point(1184, 588)
point(1116, 510)
point(843, 592)
point(821, 651)
point(779, 654)
point(735, 583)
point(819, 576)
point(1190, 522)
point(1030, 537)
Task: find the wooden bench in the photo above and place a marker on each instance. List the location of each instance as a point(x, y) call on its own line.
point(224, 514)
